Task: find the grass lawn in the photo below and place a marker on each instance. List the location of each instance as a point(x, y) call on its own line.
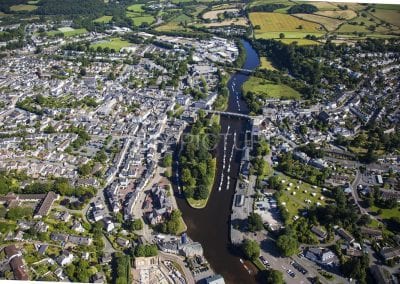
point(181, 226)
point(136, 8)
point(18, 8)
point(277, 23)
point(67, 32)
point(269, 89)
point(103, 19)
point(113, 43)
point(295, 199)
point(387, 213)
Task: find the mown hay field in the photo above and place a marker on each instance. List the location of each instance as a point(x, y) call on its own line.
point(329, 23)
point(275, 22)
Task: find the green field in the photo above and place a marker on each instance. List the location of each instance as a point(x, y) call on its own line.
point(294, 199)
point(268, 89)
point(67, 32)
point(175, 24)
point(140, 18)
point(138, 8)
point(103, 19)
point(389, 16)
point(113, 43)
point(20, 8)
point(299, 41)
point(180, 1)
point(387, 213)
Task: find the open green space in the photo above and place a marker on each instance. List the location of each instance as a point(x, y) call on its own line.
point(140, 18)
point(298, 195)
point(23, 8)
point(138, 8)
point(266, 64)
point(387, 213)
point(268, 89)
point(103, 19)
point(67, 33)
point(112, 43)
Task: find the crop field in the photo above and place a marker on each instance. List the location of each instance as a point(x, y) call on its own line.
point(275, 22)
point(213, 15)
point(270, 89)
point(338, 14)
point(288, 35)
point(19, 8)
point(112, 43)
point(103, 19)
point(138, 8)
point(266, 64)
point(67, 31)
point(390, 16)
point(329, 23)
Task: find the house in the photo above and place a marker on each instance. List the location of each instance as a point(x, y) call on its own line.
point(45, 206)
point(108, 225)
point(122, 242)
point(390, 253)
point(380, 275)
point(191, 249)
point(321, 256)
point(99, 277)
point(18, 268)
point(106, 258)
point(81, 241)
point(11, 251)
point(98, 215)
point(58, 237)
point(371, 233)
point(59, 273)
point(65, 258)
point(319, 232)
point(77, 227)
point(345, 235)
point(215, 279)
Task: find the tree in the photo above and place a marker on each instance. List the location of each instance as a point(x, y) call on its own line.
point(84, 169)
point(281, 35)
point(274, 277)
point(288, 244)
point(251, 249)
point(167, 161)
point(255, 222)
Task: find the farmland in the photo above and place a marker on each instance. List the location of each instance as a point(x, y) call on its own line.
point(338, 14)
point(113, 43)
point(176, 24)
point(23, 8)
point(275, 22)
point(268, 89)
point(329, 23)
point(213, 15)
point(390, 16)
point(236, 21)
point(137, 8)
point(299, 41)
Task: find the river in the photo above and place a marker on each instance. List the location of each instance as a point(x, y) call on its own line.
point(210, 226)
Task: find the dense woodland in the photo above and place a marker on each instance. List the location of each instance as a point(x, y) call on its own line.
point(197, 163)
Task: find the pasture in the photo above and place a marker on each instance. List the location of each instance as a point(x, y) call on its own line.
point(268, 89)
point(299, 41)
point(276, 22)
point(236, 22)
point(389, 16)
point(329, 23)
point(103, 19)
point(338, 14)
point(322, 6)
